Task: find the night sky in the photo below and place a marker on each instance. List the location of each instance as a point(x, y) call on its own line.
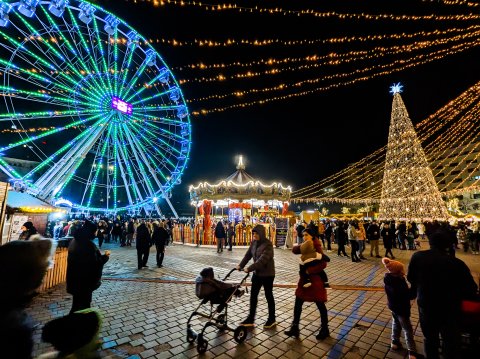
point(297, 141)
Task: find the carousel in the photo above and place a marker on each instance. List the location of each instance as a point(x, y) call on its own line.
point(242, 201)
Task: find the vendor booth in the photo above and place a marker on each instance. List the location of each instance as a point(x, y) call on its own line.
point(22, 207)
point(240, 200)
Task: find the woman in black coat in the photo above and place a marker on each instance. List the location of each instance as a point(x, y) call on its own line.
point(84, 266)
point(143, 243)
point(160, 238)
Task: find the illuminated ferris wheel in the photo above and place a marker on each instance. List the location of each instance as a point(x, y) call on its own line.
point(93, 103)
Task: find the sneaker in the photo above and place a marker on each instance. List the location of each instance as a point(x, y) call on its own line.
point(248, 323)
point(269, 324)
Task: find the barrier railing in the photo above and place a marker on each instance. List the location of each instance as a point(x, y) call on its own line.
point(57, 274)
point(186, 234)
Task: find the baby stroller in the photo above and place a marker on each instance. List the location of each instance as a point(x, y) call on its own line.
point(218, 293)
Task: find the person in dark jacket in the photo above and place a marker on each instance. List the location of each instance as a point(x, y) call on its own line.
point(28, 229)
point(263, 266)
point(388, 235)
point(398, 296)
point(373, 235)
point(160, 238)
point(315, 293)
point(84, 266)
point(440, 283)
point(220, 236)
point(23, 265)
point(143, 243)
point(230, 235)
point(341, 239)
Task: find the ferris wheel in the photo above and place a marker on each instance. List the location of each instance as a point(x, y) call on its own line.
point(89, 100)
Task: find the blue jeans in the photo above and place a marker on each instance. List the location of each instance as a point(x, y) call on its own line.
point(400, 322)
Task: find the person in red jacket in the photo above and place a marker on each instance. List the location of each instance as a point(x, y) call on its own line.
point(315, 293)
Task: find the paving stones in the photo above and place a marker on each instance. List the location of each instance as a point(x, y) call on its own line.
point(145, 311)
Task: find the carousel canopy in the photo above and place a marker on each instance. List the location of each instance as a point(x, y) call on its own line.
point(240, 187)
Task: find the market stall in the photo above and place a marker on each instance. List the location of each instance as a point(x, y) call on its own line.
point(22, 207)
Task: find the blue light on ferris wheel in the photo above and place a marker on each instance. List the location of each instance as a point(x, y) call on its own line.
point(57, 7)
point(27, 7)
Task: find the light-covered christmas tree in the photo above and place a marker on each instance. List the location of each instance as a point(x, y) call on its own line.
point(409, 190)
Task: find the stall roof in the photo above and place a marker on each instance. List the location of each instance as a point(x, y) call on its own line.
point(25, 200)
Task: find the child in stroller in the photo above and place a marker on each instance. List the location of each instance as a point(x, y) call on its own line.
point(214, 291)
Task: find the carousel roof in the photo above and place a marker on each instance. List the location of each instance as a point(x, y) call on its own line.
point(240, 176)
point(240, 187)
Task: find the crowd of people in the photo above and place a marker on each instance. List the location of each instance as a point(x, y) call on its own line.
point(428, 272)
point(398, 235)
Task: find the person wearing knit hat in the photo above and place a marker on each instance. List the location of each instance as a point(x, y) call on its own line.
point(398, 297)
point(310, 257)
point(263, 268)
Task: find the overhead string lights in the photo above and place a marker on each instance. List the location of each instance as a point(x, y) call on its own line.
point(331, 59)
point(232, 42)
point(343, 79)
point(308, 12)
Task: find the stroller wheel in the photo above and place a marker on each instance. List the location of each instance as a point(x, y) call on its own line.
point(240, 334)
point(191, 335)
point(202, 346)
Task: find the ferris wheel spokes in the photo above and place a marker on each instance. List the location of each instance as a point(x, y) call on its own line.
point(57, 177)
point(61, 150)
point(47, 133)
point(153, 173)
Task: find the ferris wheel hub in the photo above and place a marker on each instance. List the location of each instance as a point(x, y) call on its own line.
point(121, 106)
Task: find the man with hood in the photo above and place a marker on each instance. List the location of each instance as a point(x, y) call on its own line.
point(84, 266)
point(263, 268)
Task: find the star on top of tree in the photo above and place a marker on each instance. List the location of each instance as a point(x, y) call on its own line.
point(396, 88)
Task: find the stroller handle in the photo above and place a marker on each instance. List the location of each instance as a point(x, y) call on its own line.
point(229, 273)
point(233, 270)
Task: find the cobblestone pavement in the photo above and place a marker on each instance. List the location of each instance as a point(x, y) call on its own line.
point(145, 311)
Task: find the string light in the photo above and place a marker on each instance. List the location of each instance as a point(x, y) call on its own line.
point(303, 42)
point(362, 74)
point(332, 59)
point(313, 13)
